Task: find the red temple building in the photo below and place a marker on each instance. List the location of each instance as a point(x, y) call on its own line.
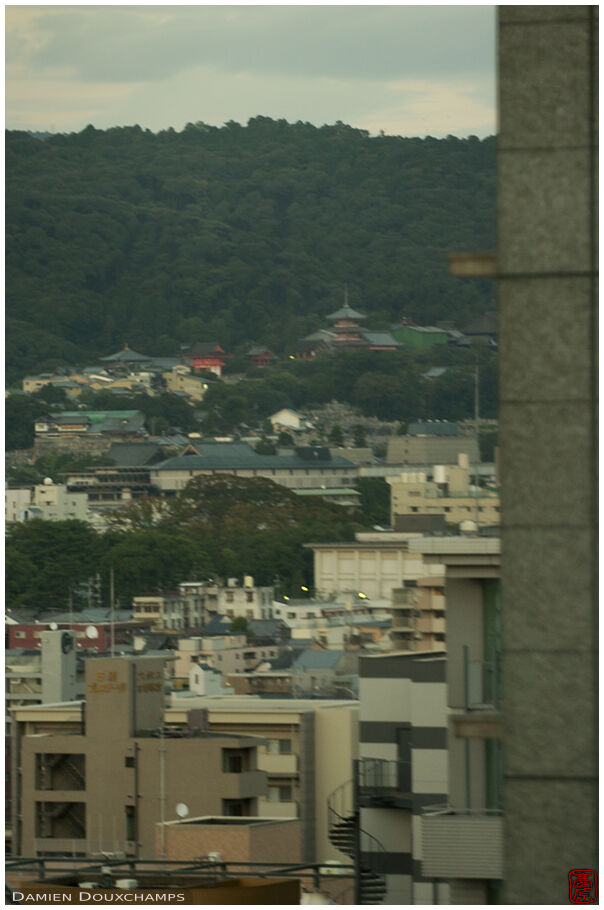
point(206, 355)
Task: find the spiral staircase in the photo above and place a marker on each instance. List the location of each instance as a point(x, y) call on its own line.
point(365, 851)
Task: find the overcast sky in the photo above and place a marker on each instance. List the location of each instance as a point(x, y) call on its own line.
point(407, 70)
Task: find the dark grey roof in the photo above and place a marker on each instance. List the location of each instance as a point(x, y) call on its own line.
point(317, 660)
point(240, 455)
point(484, 325)
point(125, 356)
point(382, 338)
point(433, 428)
point(165, 362)
point(93, 615)
point(259, 349)
point(286, 658)
point(266, 628)
point(133, 454)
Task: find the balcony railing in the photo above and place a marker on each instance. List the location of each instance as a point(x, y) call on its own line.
point(483, 687)
point(383, 782)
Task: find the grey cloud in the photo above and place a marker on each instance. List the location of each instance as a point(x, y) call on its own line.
point(138, 44)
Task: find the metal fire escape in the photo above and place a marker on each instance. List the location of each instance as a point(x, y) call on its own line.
point(345, 833)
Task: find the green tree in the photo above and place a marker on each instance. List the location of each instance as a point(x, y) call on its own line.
point(336, 437)
point(239, 626)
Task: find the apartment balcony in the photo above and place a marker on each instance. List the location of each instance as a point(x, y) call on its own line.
point(271, 809)
point(274, 763)
point(482, 693)
point(430, 625)
point(384, 783)
point(245, 785)
point(465, 844)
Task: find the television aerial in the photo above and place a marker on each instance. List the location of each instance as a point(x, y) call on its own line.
point(92, 632)
point(182, 810)
point(53, 626)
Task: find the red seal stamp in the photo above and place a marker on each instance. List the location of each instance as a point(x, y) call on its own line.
point(582, 886)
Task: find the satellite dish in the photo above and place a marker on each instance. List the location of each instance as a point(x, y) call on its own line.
point(182, 810)
point(92, 632)
point(53, 626)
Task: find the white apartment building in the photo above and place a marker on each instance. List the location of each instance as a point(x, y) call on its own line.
point(48, 501)
point(374, 564)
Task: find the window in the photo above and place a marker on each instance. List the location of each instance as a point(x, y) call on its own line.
point(229, 597)
point(281, 794)
point(130, 822)
point(285, 746)
point(129, 764)
point(249, 596)
point(233, 764)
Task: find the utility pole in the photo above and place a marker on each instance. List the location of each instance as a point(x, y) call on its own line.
point(112, 610)
point(477, 430)
point(162, 791)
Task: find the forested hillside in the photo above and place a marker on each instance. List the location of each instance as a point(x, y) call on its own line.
point(239, 234)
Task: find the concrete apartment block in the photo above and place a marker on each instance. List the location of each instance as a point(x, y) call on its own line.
point(105, 785)
point(403, 764)
point(547, 283)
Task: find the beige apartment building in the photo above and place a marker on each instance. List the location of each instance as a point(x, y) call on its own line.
point(308, 749)
point(294, 753)
point(449, 494)
point(422, 450)
point(418, 615)
point(97, 777)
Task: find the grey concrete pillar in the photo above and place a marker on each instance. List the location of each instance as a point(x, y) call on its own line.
point(547, 262)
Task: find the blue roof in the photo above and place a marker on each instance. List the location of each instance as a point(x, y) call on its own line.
point(218, 625)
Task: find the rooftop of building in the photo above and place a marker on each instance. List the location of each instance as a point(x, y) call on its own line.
point(126, 355)
point(456, 544)
point(241, 456)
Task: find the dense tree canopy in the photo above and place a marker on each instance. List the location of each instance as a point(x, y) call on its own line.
point(218, 526)
point(236, 234)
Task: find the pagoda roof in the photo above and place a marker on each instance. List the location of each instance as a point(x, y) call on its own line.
point(346, 312)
